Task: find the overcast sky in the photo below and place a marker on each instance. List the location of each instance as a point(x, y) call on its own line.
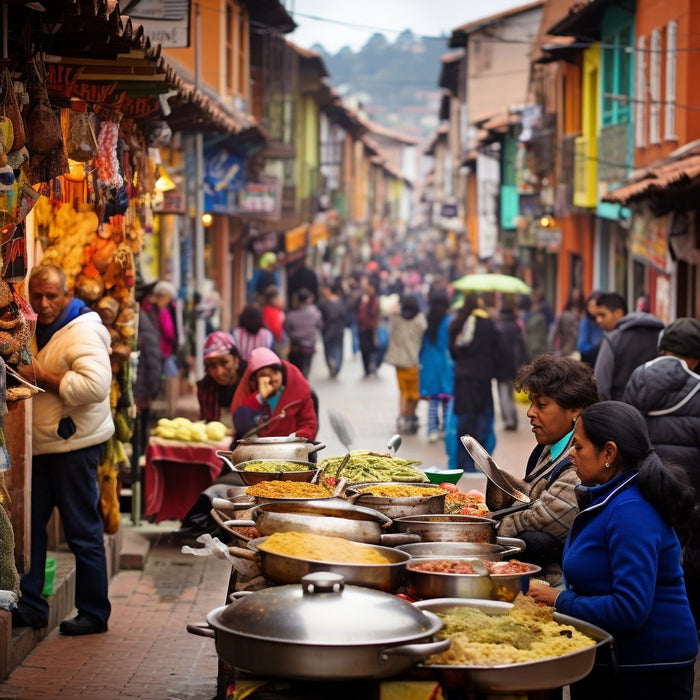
point(338, 23)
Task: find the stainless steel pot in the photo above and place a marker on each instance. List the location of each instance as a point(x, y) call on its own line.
point(431, 584)
point(553, 672)
point(398, 507)
point(504, 547)
point(341, 519)
point(306, 471)
point(292, 448)
point(282, 568)
point(448, 528)
point(322, 630)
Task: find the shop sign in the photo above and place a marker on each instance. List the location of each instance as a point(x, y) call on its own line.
point(548, 238)
point(295, 238)
point(262, 198)
point(224, 180)
point(139, 107)
point(648, 238)
point(167, 22)
point(64, 81)
point(448, 211)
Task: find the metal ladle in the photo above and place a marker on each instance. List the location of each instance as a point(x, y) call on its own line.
point(344, 432)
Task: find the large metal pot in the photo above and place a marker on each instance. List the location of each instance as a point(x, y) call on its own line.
point(319, 630)
point(292, 448)
point(504, 547)
point(398, 507)
point(306, 471)
point(448, 528)
point(282, 568)
point(431, 584)
point(553, 672)
point(337, 520)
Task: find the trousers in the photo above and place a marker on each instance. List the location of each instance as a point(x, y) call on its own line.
point(69, 482)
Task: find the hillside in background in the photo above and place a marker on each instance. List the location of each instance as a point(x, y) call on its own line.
point(395, 84)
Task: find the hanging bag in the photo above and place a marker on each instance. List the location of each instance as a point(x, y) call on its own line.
point(81, 144)
point(10, 110)
point(43, 128)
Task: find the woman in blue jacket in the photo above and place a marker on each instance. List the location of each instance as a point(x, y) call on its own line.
point(622, 559)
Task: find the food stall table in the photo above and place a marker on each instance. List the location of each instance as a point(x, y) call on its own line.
point(176, 473)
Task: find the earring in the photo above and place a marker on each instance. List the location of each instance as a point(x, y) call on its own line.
point(607, 465)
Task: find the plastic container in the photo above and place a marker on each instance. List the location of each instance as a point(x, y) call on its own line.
point(49, 576)
point(439, 476)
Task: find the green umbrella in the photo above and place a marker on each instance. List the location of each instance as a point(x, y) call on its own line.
point(491, 282)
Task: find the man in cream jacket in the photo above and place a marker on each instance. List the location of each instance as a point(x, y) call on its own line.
point(71, 423)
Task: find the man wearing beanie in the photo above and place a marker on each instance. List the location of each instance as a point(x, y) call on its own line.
point(667, 392)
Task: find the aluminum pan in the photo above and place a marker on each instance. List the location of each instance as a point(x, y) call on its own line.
point(532, 675)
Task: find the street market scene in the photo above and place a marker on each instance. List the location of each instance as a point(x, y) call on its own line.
point(349, 350)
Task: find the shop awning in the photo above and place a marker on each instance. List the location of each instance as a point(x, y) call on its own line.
point(667, 177)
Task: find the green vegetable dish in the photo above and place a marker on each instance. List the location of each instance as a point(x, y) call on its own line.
point(272, 466)
point(364, 465)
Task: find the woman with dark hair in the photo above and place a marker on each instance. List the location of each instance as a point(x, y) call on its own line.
point(563, 335)
point(590, 334)
point(622, 559)
point(558, 389)
point(436, 367)
point(406, 328)
point(251, 332)
point(224, 368)
point(474, 342)
point(273, 388)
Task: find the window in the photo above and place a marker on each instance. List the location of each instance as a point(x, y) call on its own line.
point(640, 94)
point(655, 87)
point(670, 106)
point(236, 51)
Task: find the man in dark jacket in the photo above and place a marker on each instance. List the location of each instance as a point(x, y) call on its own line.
point(667, 392)
point(629, 341)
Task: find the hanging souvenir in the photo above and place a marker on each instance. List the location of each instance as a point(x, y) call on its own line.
point(14, 255)
point(107, 143)
point(10, 111)
point(81, 144)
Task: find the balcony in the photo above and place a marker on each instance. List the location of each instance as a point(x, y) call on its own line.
point(615, 161)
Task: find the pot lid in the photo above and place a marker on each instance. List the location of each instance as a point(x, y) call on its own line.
point(323, 610)
point(271, 440)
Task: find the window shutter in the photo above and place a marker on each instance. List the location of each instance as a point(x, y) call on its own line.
point(655, 87)
point(640, 101)
point(670, 106)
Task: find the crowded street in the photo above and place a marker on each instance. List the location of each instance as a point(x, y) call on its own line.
point(148, 653)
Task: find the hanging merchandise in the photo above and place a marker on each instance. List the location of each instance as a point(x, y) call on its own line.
point(10, 111)
point(81, 144)
point(14, 255)
point(107, 143)
point(15, 331)
point(48, 159)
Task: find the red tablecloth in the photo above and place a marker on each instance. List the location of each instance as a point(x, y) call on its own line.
point(176, 473)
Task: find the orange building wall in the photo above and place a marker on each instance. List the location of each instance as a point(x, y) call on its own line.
point(652, 14)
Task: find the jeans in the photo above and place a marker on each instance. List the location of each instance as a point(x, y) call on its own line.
point(69, 482)
point(333, 348)
point(480, 427)
point(506, 398)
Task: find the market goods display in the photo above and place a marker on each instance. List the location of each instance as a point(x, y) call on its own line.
point(305, 545)
point(365, 465)
point(470, 503)
point(185, 430)
point(527, 633)
point(464, 566)
point(287, 489)
point(398, 490)
point(274, 465)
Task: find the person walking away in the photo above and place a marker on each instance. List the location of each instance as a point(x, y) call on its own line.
point(630, 340)
point(303, 277)
point(558, 389)
point(406, 329)
point(622, 560)
point(273, 312)
point(563, 334)
point(666, 390)
point(274, 388)
point(251, 332)
point(264, 277)
point(590, 334)
point(436, 374)
point(149, 375)
point(535, 322)
point(303, 326)
point(367, 315)
point(511, 356)
point(474, 340)
point(334, 316)
point(71, 421)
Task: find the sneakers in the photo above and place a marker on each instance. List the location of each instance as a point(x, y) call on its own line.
point(80, 625)
point(434, 436)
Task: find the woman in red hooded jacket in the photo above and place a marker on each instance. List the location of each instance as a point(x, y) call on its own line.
point(272, 388)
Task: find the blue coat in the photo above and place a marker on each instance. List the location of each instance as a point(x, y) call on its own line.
point(622, 565)
point(436, 367)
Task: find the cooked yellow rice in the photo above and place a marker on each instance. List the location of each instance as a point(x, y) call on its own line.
point(527, 633)
point(306, 545)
